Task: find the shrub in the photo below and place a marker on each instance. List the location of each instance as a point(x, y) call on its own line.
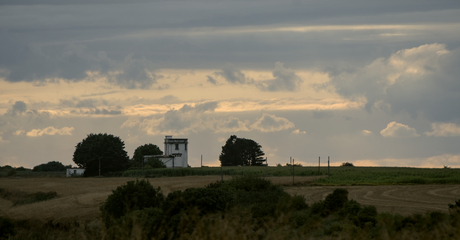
point(350, 209)
point(52, 166)
point(347, 164)
point(155, 163)
point(127, 198)
point(207, 200)
point(6, 227)
point(367, 216)
point(12, 172)
point(336, 200)
point(298, 202)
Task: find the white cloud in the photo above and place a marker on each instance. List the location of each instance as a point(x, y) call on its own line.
point(444, 130)
point(419, 80)
point(272, 123)
point(50, 131)
point(398, 130)
point(19, 132)
point(366, 132)
point(297, 131)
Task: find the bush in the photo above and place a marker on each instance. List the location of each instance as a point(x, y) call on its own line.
point(207, 200)
point(11, 173)
point(347, 164)
point(336, 200)
point(52, 166)
point(367, 216)
point(130, 197)
point(155, 163)
point(6, 227)
point(298, 202)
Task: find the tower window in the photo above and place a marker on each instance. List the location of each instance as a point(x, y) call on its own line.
point(177, 146)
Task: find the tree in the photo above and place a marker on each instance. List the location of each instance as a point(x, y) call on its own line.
point(156, 163)
point(52, 166)
point(105, 150)
point(146, 149)
point(241, 151)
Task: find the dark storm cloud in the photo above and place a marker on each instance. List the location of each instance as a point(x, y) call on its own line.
point(284, 80)
point(135, 74)
point(211, 80)
point(17, 108)
point(72, 63)
point(42, 41)
point(208, 106)
point(233, 75)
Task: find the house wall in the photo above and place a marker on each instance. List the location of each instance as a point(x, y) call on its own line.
point(76, 171)
point(177, 147)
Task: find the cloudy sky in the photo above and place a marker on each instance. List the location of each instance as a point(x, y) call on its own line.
point(376, 83)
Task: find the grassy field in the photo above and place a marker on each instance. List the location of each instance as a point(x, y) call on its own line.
point(337, 175)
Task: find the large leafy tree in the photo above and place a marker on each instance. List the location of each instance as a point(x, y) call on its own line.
point(50, 167)
point(146, 149)
point(241, 151)
point(104, 148)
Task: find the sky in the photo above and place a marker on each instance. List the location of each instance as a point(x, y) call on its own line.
point(375, 83)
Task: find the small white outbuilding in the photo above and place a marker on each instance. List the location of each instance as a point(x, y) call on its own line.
point(73, 172)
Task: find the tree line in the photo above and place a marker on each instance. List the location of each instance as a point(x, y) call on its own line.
point(106, 153)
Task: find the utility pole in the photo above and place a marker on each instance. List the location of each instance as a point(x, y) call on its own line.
point(221, 172)
point(319, 164)
point(202, 165)
point(99, 166)
point(292, 172)
point(328, 172)
point(266, 169)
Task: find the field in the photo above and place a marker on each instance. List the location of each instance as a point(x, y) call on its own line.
point(80, 198)
point(338, 175)
point(383, 203)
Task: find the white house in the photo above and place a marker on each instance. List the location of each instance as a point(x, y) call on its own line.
point(175, 153)
point(72, 172)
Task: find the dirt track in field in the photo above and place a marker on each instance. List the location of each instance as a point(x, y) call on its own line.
point(80, 198)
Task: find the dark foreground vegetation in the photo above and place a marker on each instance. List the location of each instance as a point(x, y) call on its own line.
point(245, 207)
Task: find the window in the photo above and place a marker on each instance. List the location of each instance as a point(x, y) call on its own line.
point(177, 146)
point(186, 146)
